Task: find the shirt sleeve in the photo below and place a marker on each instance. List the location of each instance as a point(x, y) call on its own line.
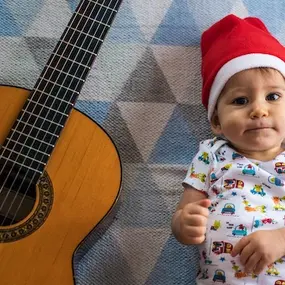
point(198, 174)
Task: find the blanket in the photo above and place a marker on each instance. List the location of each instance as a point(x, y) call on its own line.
point(144, 90)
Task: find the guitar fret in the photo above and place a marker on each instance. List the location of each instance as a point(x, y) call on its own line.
point(58, 99)
point(75, 46)
point(109, 3)
point(33, 126)
point(26, 116)
point(89, 18)
point(38, 126)
point(17, 143)
point(34, 104)
point(10, 151)
point(63, 72)
point(23, 165)
point(35, 132)
point(71, 60)
point(85, 34)
point(52, 94)
point(57, 84)
point(33, 138)
point(87, 26)
point(109, 8)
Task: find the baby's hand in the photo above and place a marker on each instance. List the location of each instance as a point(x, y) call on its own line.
point(260, 249)
point(193, 221)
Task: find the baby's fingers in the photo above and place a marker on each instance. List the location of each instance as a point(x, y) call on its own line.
point(261, 265)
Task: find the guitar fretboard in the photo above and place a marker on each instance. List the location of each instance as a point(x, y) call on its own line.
point(40, 122)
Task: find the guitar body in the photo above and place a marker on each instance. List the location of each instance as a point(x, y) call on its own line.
point(81, 185)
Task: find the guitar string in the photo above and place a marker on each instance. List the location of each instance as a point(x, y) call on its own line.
point(44, 136)
point(8, 192)
point(62, 83)
point(86, 36)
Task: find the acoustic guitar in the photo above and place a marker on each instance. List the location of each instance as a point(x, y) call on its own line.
point(60, 172)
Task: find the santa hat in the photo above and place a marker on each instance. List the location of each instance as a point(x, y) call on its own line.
point(232, 45)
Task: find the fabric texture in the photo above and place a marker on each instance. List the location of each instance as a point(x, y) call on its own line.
point(234, 44)
point(145, 90)
point(246, 195)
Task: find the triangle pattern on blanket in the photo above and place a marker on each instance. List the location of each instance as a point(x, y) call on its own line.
point(181, 67)
point(111, 71)
point(41, 48)
point(151, 209)
point(126, 28)
point(11, 27)
point(147, 83)
point(51, 20)
point(178, 26)
point(173, 146)
point(116, 126)
point(149, 15)
point(146, 122)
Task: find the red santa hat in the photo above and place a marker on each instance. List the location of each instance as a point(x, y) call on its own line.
point(232, 45)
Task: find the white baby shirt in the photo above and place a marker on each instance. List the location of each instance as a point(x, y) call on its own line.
point(247, 195)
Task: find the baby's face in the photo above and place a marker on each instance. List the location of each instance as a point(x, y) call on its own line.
point(251, 111)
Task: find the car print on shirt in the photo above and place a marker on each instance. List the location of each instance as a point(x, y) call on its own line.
point(229, 208)
point(261, 222)
point(239, 230)
point(249, 170)
point(219, 276)
point(236, 155)
point(275, 180)
point(280, 167)
point(233, 183)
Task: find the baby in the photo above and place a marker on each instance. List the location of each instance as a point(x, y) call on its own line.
point(233, 203)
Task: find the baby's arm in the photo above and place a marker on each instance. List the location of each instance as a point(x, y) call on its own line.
point(190, 218)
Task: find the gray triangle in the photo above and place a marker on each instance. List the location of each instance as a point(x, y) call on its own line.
point(147, 83)
point(196, 118)
point(119, 132)
point(41, 48)
point(105, 264)
point(144, 205)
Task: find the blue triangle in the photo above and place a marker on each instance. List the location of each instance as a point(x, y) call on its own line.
point(73, 4)
point(176, 145)
point(125, 28)
point(177, 264)
point(96, 110)
point(178, 26)
point(8, 25)
point(273, 20)
point(20, 16)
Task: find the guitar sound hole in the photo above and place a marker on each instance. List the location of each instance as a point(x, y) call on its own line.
point(17, 197)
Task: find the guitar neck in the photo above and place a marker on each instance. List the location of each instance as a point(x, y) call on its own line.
point(44, 114)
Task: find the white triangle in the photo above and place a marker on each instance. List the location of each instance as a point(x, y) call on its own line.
point(51, 21)
point(149, 15)
point(141, 248)
point(15, 52)
point(146, 122)
point(240, 9)
point(112, 68)
point(181, 67)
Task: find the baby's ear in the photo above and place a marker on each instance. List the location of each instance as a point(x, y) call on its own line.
point(215, 124)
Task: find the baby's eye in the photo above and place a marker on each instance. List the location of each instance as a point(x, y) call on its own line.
point(240, 101)
point(272, 96)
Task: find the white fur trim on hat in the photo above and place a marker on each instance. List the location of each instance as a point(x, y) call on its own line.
point(236, 65)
